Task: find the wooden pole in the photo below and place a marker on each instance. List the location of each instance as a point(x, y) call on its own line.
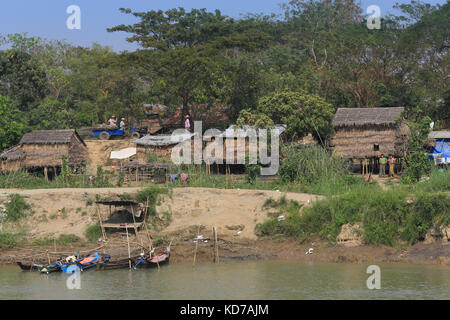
point(196, 246)
point(216, 246)
point(135, 228)
point(48, 257)
point(101, 223)
point(128, 244)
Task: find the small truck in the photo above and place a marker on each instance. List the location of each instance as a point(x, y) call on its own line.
point(105, 132)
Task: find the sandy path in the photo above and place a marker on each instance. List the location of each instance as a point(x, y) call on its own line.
point(228, 210)
point(99, 151)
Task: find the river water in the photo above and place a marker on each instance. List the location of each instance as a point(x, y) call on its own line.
point(257, 280)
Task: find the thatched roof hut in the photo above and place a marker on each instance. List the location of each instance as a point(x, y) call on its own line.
point(11, 159)
point(369, 132)
point(160, 146)
point(45, 149)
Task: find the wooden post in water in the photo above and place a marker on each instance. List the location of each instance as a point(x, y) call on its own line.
point(196, 245)
point(216, 246)
point(128, 244)
point(48, 257)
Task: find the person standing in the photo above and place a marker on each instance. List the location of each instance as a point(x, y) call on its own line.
point(383, 161)
point(122, 124)
point(391, 166)
point(187, 123)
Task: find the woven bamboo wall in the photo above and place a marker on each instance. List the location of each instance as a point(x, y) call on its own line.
point(358, 143)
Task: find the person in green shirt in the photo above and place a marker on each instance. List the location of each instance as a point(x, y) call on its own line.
point(383, 161)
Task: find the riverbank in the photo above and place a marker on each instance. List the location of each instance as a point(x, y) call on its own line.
point(184, 250)
point(181, 216)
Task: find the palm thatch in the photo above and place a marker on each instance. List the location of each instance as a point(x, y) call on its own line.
point(45, 148)
point(369, 132)
point(10, 159)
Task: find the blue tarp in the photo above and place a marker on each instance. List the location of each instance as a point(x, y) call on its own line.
point(442, 146)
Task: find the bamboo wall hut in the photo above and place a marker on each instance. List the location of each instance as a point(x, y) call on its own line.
point(366, 133)
point(233, 155)
point(11, 159)
point(160, 146)
point(42, 151)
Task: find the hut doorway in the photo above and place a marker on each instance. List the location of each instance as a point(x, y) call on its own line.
point(50, 173)
point(232, 168)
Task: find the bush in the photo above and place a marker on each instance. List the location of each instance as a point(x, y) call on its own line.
point(8, 240)
point(151, 194)
point(16, 207)
point(93, 232)
point(427, 211)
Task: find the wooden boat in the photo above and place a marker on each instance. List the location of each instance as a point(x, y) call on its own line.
point(49, 268)
point(118, 264)
point(140, 261)
point(29, 267)
point(82, 264)
point(148, 262)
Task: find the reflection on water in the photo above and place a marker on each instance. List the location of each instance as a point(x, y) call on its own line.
point(237, 280)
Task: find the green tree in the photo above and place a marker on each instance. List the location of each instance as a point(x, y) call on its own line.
point(12, 123)
point(302, 112)
point(22, 78)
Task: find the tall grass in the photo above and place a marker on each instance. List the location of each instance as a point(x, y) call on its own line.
point(387, 216)
point(24, 180)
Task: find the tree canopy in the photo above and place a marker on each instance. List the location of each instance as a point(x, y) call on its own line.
point(295, 69)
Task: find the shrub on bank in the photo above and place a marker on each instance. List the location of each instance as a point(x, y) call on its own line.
point(387, 215)
point(151, 194)
point(16, 207)
point(8, 240)
point(93, 232)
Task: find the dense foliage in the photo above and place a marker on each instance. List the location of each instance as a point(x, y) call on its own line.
point(385, 217)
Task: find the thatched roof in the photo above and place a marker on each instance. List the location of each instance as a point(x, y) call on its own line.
point(346, 117)
point(49, 137)
point(12, 154)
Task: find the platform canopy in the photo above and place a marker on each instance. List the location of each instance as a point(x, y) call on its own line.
point(123, 153)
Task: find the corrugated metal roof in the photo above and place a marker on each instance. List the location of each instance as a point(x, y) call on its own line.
point(439, 135)
point(163, 140)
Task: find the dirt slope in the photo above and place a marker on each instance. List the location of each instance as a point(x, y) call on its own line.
point(70, 211)
point(100, 150)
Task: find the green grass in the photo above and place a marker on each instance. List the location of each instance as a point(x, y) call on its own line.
point(62, 240)
point(388, 216)
point(8, 240)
